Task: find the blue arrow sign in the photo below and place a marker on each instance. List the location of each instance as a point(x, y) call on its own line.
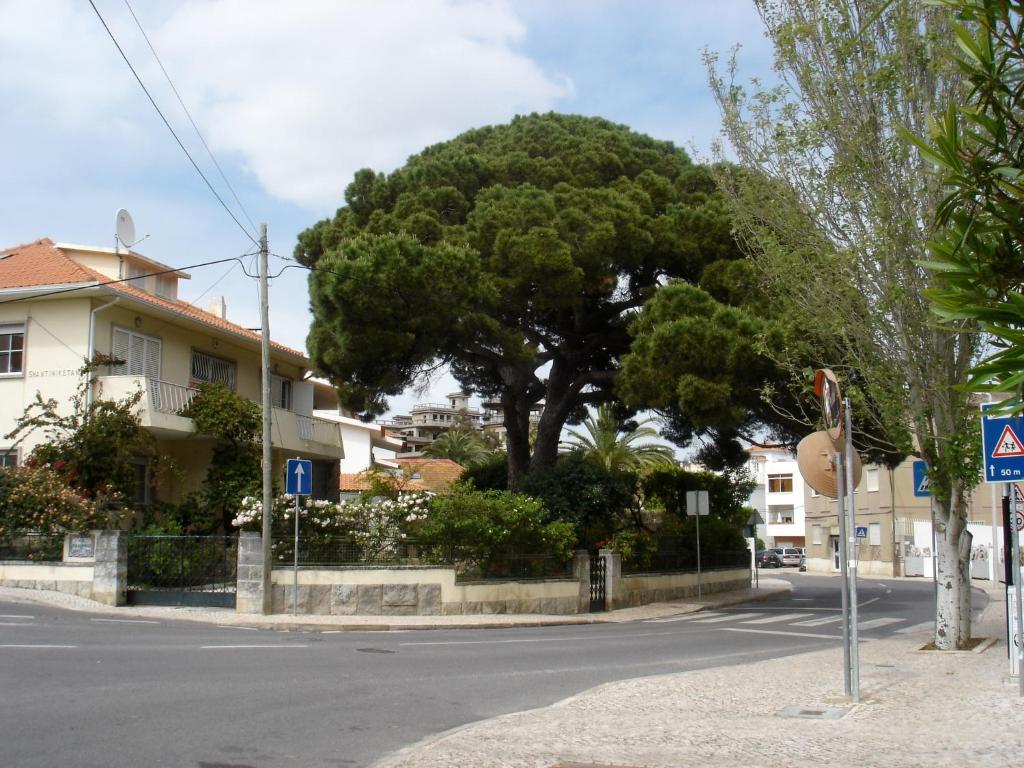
point(922, 486)
point(1002, 449)
point(299, 477)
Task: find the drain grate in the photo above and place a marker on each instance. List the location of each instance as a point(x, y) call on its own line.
point(814, 713)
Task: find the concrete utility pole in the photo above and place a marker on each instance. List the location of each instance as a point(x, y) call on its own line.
point(268, 491)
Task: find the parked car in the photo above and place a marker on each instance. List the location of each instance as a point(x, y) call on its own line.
point(768, 558)
point(789, 555)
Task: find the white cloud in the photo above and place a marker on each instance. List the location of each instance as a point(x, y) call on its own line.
point(310, 92)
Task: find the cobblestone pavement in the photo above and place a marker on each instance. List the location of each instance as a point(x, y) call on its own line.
point(918, 708)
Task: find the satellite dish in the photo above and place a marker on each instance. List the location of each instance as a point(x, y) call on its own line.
point(124, 227)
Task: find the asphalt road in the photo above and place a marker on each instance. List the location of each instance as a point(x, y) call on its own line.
point(84, 691)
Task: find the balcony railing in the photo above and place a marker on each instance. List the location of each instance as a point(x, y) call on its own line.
point(317, 429)
point(169, 398)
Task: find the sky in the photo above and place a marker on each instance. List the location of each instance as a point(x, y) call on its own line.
point(294, 97)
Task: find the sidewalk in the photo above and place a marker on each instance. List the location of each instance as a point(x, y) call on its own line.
point(917, 709)
point(769, 588)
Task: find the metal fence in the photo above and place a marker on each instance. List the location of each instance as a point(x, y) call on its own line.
point(680, 555)
point(182, 563)
point(335, 551)
point(33, 547)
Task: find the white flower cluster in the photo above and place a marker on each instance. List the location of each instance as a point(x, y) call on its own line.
point(377, 520)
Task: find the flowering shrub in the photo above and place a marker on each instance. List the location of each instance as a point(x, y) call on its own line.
point(36, 499)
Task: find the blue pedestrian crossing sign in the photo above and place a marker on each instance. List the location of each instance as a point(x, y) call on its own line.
point(299, 477)
point(922, 486)
point(1002, 446)
point(862, 531)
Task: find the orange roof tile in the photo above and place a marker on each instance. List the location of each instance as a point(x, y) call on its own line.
point(42, 263)
point(436, 475)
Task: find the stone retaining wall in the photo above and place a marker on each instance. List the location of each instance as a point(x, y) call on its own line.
point(416, 591)
point(102, 576)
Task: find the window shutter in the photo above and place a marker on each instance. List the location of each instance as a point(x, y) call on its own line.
point(119, 351)
point(152, 370)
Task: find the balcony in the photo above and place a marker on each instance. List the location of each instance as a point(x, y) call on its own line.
point(162, 402)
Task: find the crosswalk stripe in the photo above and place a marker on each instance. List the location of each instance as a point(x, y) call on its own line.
point(818, 622)
point(777, 619)
point(684, 617)
point(727, 617)
point(876, 623)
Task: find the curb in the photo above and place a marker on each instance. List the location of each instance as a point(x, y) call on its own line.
point(80, 605)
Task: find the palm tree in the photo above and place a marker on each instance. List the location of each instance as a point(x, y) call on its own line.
point(606, 443)
point(463, 446)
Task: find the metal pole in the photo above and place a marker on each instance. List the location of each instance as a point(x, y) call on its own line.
point(268, 489)
point(1008, 490)
point(295, 562)
point(851, 508)
point(698, 551)
point(1007, 573)
point(837, 462)
point(994, 567)
point(935, 572)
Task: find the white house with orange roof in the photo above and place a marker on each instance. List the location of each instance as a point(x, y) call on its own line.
point(59, 308)
point(778, 496)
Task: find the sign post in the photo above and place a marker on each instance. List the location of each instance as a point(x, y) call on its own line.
point(298, 482)
point(697, 504)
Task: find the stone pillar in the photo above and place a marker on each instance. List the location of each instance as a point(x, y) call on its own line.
point(581, 572)
point(110, 568)
point(612, 576)
point(249, 597)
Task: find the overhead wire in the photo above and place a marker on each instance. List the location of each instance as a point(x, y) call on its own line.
point(168, 125)
point(188, 114)
point(86, 286)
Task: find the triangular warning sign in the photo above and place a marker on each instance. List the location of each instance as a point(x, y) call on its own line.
point(1008, 445)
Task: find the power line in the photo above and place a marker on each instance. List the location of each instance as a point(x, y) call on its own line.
point(74, 288)
point(169, 128)
point(188, 114)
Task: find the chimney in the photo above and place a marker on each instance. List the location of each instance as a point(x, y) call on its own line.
point(218, 307)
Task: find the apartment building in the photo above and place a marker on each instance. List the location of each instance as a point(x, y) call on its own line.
point(893, 513)
point(58, 308)
point(778, 497)
point(426, 421)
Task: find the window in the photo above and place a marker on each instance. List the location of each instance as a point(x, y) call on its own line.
point(12, 349)
point(135, 354)
point(141, 488)
point(875, 534)
point(780, 483)
point(280, 392)
point(816, 534)
point(872, 478)
point(780, 515)
point(213, 369)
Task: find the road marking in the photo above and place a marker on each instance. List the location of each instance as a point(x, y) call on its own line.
point(802, 599)
point(15, 616)
point(778, 632)
point(776, 619)
point(730, 617)
point(232, 626)
point(867, 602)
point(127, 621)
point(16, 624)
point(684, 617)
point(876, 623)
point(234, 647)
point(38, 646)
point(817, 622)
point(917, 627)
point(565, 639)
